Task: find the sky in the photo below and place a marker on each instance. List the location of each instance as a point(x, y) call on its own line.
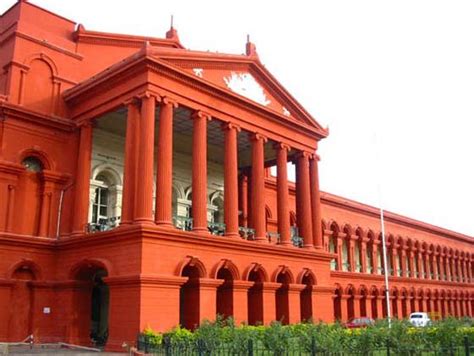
point(391, 79)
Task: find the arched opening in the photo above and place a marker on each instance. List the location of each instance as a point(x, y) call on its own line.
point(429, 301)
point(373, 303)
point(189, 297)
point(384, 304)
point(363, 302)
point(420, 301)
point(358, 255)
point(443, 304)
point(105, 208)
point(282, 299)
point(91, 304)
point(21, 307)
point(225, 296)
point(412, 301)
point(368, 257)
point(333, 249)
point(345, 254)
point(306, 297)
point(255, 297)
point(404, 311)
point(350, 303)
point(32, 194)
point(449, 304)
point(218, 215)
point(39, 86)
point(394, 299)
point(337, 304)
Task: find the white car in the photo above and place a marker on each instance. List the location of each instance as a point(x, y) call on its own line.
point(420, 319)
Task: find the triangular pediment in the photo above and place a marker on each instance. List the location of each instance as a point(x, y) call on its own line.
point(244, 76)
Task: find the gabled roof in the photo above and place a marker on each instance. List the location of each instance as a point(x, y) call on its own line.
point(243, 75)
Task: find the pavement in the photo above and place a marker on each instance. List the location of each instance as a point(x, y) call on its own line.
point(49, 349)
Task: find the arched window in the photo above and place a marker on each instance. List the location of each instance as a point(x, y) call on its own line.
point(332, 249)
point(358, 256)
point(32, 198)
point(32, 164)
point(379, 259)
point(345, 255)
point(368, 258)
point(105, 208)
point(100, 213)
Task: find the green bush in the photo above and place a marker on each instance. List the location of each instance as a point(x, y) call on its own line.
point(400, 336)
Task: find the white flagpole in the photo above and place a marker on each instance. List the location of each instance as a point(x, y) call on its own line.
point(382, 225)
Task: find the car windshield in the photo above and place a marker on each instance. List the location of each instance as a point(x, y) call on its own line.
point(416, 316)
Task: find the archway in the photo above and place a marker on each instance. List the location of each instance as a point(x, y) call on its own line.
point(404, 297)
point(350, 302)
point(255, 296)
point(31, 195)
point(306, 296)
point(394, 301)
point(189, 297)
point(282, 302)
point(363, 301)
point(443, 303)
point(91, 305)
point(373, 303)
point(21, 307)
point(413, 307)
point(337, 303)
point(225, 295)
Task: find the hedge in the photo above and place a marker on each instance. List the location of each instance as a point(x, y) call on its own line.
point(401, 337)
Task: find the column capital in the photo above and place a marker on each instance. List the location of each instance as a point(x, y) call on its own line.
point(301, 154)
point(230, 126)
point(198, 114)
point(86, 124)
point(255, 136)
point(281, 146)
point(166, 100)
point(134, 100)
point(147, 94)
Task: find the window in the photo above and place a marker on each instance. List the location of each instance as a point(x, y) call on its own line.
point(105, 199)
point(100, 206)
point(32, 164)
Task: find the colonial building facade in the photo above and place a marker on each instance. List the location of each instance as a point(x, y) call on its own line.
point(136, 190)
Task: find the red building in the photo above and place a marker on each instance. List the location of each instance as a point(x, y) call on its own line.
point(135, 191)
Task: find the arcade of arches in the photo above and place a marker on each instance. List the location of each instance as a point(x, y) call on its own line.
point(137, 190)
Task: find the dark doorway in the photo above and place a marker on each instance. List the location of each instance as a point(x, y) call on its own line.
point(255, 298)
point(225, 297)
point(99, 309)
point(189, 298)
point(282, 299)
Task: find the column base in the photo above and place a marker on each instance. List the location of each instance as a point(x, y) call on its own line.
point(201, 230)
point(232, 235)
point(165, 224)
point(308, 247)
point(261, 240)
point(144, 221)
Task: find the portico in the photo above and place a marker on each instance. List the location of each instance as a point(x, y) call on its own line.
point(159, 122)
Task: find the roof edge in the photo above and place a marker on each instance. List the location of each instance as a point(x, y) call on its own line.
point(337, 200)
point(83, 35)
